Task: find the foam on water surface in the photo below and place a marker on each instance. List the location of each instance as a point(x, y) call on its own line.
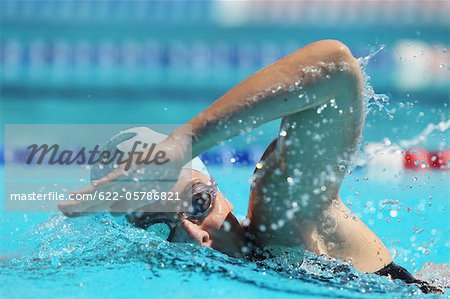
point(98, 244)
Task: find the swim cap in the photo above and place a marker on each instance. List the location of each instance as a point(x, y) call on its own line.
point(124, 141)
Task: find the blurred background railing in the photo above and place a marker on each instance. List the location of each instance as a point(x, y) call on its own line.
point(212, 44)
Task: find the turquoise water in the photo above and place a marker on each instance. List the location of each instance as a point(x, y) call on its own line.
point(114, 62)
point(412, 113)
point(53, 256)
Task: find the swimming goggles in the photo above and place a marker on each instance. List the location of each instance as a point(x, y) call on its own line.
point(163, 223)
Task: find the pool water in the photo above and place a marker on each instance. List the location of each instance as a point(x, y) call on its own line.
point(115, 62)
point(48, 255)
point(53, 256)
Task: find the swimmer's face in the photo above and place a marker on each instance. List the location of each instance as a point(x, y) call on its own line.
point(219, 229)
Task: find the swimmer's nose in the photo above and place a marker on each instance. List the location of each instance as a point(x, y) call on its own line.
point(195, 232)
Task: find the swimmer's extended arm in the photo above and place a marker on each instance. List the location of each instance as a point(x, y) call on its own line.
point(304, 79)
point(307, 78)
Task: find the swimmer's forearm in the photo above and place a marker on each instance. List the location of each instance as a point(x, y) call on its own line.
point(304, 79)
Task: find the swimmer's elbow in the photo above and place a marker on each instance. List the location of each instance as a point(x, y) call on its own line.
point(333, 50)
point(339, 54)
point(337, 71)
point(329, 59)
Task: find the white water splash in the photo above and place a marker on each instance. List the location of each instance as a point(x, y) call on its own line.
point(364, 61)
point(436, 274)
point(430, 128)
point(371, 97)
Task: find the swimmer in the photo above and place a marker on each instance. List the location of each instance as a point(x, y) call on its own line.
point(317, 93)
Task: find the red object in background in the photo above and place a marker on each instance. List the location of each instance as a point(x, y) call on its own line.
point(440, 159)
point(416, 158)
point(419, 158)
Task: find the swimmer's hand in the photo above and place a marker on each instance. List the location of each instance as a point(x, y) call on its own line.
point(125, 189)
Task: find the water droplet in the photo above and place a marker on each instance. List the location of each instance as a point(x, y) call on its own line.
point(244, 249)
point(55, 261)
point(226, 226)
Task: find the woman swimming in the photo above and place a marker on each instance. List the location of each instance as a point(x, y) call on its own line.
point(317, 92)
